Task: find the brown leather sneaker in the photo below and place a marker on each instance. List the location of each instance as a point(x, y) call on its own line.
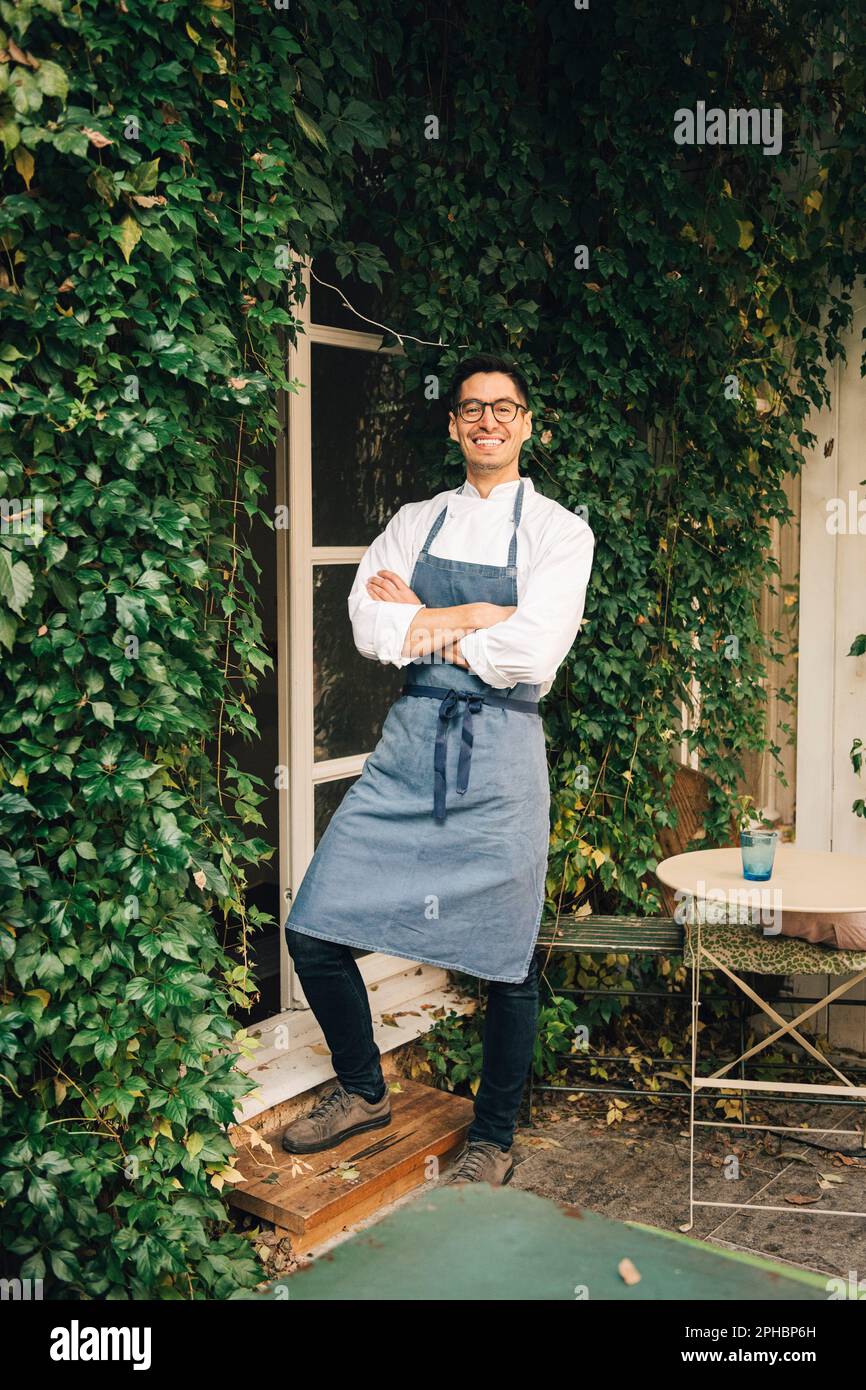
point(338, 1115)
point(482, 1162)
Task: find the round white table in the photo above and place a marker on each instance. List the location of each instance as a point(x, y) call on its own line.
point(811, 893)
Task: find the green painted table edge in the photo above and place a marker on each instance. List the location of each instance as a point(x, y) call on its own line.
point(802, 1276)
point(489, 1243)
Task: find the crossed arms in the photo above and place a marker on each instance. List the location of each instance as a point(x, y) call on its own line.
point(502, 645)
point(436, 629)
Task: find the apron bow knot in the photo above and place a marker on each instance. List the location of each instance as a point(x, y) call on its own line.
point(448, 708)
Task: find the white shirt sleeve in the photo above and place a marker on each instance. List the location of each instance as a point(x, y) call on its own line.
point(379, 628)
point(531, 644)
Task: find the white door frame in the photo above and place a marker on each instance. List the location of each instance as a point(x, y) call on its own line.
point(296, 559)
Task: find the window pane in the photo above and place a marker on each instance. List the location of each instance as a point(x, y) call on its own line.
point(364, 467)
point(351, 695)
point(327, 797)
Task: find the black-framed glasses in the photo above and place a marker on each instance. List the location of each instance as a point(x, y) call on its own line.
point(504, 410)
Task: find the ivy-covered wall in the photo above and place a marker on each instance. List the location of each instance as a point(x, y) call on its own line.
point(159, 160)
point(160, 163)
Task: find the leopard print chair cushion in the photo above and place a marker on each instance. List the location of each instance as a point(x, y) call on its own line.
point(832, 947)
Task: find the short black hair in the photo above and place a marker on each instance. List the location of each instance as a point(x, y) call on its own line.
point(485, 362)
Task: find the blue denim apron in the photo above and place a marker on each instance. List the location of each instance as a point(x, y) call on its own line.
point(438, 852)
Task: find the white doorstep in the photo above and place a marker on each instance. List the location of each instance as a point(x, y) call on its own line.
point(293, 1057)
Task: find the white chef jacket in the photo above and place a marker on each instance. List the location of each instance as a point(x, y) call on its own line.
point(554, 558)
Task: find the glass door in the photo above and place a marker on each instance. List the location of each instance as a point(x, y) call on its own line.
point(346, 469)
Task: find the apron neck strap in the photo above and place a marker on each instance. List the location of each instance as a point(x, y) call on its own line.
point(434, 530)
point(518, 508)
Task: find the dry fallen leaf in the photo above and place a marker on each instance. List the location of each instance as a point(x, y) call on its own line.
point(26, 58)
point(538, 1142)
point(95, 138)
point(254, 1139)
point(798, 1199)
point(297, 1166)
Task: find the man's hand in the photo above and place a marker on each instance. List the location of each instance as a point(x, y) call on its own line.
point(390, 588)
point(452, 654)
point(481, 615)
point(436, 629)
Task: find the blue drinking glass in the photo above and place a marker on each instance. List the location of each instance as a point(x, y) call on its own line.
point(758, 848)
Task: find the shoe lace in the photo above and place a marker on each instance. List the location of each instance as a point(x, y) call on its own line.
point(474, 1156)
point(335, 1100)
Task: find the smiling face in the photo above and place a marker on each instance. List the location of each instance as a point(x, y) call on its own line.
point(491, 446)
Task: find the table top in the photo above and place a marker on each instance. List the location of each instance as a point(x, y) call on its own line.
point(808, 880)
point(473, 1242)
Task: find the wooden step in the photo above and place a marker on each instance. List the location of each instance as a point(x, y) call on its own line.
point(312, 1197)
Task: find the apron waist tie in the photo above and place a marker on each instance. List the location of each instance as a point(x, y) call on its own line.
point(448, 707)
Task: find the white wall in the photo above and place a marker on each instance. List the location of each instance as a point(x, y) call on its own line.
point(831, 704)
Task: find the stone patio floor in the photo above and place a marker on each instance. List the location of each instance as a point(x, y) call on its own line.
point(638, 1170)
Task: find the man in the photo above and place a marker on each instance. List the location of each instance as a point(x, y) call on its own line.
point(438, 852)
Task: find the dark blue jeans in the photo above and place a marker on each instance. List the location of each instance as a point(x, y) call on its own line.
point(338, 997)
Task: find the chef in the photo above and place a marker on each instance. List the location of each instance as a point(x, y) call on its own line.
point(438, 851)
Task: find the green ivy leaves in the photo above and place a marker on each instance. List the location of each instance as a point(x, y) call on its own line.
point(150, 173)
point(16, 582)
